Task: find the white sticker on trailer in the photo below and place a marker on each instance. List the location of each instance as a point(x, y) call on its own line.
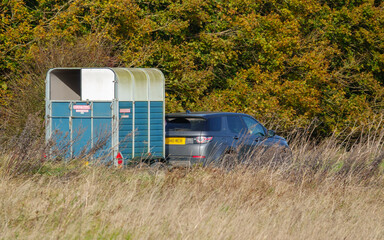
point(82, 108)
point(125, 110)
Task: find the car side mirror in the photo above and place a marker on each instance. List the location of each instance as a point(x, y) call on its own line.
point(271, 133)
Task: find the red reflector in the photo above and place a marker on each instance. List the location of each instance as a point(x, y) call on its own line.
point(198, 156)
point(119, 158)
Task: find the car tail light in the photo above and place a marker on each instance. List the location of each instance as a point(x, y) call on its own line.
point(203, 139)
point(198, 156)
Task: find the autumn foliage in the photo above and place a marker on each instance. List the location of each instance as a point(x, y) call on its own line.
point(292, 61)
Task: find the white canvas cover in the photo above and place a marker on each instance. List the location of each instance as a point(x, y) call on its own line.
point(139, 84)
point(97, 84)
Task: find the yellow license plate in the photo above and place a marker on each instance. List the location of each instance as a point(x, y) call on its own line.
point(175, 141)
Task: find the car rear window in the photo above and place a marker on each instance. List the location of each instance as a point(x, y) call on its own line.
point(192, 124)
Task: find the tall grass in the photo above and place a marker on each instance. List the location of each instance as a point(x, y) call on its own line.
point(327, 190)
point(23, 153)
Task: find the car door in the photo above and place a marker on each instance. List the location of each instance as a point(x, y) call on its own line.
point(256, 134)
point(237, 131)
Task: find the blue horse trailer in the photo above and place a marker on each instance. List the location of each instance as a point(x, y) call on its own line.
point(112, 114)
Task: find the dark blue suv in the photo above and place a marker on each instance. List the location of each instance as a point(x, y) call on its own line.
point(207, 137)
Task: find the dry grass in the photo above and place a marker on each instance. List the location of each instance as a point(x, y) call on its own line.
point(197, 204)
point(330, 190)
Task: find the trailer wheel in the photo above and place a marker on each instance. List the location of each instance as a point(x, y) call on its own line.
point(158, 168)
point(142, 165)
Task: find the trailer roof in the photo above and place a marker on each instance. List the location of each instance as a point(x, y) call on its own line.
point(124, 84)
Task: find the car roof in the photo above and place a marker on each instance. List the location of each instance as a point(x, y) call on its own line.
point(201, 114)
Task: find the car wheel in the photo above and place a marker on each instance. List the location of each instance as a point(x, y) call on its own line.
point(276, 156)
point(229, 161)
point(285, 156)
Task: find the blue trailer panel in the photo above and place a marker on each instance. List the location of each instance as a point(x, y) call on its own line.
point(141, 129)
point(157, 128)
point(126, 129)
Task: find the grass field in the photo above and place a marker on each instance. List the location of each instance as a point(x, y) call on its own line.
point(197, 204)
point(328, 191)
